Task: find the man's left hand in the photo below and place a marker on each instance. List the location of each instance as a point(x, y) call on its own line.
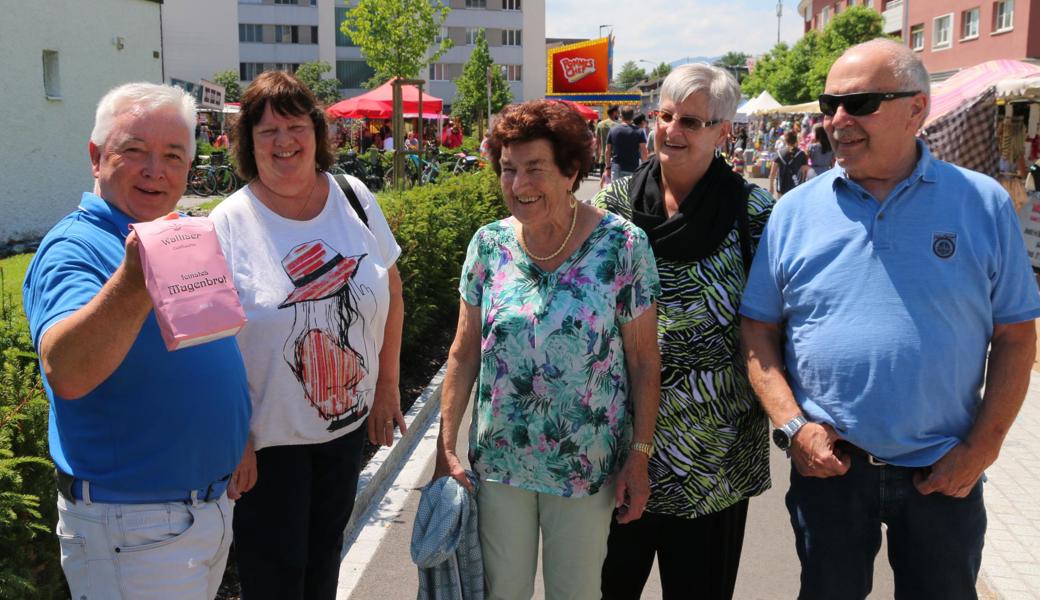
point(386, 415)
point(633, 488)
point(955, 474)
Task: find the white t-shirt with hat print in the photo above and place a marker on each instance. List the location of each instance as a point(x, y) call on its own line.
point(316, 295)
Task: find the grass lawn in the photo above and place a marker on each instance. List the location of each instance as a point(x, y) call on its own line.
point(206, 206)
point(12, 273)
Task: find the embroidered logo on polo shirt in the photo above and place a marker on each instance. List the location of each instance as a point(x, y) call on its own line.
point(944, 245)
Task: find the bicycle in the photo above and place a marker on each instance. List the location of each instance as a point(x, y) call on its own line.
point(466, 163)
point(201, 181)
point(226, 180)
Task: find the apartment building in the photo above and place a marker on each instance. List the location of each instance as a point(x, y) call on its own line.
point(251, 36)
point(949, 34)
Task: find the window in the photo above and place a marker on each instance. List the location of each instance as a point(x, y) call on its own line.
point(287, 34)
point(825, 16)
point(476, 3)
point(314, 34)
point(970, 24)
point(1003, 15)
point(511, 37)
point(510, 4)
point(941, 27)
point(51, 75)
point(250, 33)
point(439, 72)
point(442, 34)
point(342, 39)
point(249, 71)
point(471, 35)
point(512, 72)
point(285, 2)
point(917, 37)
point(353, 73)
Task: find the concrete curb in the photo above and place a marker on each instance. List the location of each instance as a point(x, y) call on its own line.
point(378, 473)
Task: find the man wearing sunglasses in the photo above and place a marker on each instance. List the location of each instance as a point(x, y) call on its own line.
point(890, 276)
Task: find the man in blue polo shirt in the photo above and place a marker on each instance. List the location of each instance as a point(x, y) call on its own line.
point(890, 276)
point(144, 440)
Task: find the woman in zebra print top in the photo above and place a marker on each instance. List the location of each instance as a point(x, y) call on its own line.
point(711, 447)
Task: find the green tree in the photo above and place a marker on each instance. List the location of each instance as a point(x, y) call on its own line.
point(396, 37)
point(850, 27)
point(232, 88)
point(735, 63)
point(471, 97)
point(629, 75)
point(662, 70)
point(326, 90)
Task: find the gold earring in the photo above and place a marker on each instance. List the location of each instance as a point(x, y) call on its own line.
point(574, 199)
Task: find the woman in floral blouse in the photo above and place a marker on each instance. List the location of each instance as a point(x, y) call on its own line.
point(557, 325)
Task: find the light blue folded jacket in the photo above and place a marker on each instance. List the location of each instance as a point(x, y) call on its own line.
point(446, 543)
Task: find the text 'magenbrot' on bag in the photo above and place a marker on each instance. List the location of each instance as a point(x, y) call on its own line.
point(189, 281)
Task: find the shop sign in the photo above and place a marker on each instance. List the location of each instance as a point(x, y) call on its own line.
point(580, 68)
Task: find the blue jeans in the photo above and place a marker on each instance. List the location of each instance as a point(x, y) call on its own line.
point(616, 172)
point(934, 541)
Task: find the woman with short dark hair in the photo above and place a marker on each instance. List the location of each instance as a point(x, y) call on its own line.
point(557, 327)
point(315, 273)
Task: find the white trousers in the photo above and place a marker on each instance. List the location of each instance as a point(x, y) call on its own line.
point(146, 551)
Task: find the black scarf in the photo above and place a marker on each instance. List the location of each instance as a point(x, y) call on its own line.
point(704, 219)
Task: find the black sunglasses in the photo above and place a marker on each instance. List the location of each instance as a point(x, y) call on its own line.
point(858, 105)
point(691, 123)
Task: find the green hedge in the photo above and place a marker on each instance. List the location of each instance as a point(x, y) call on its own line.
point(433, 224)
point(29, 555)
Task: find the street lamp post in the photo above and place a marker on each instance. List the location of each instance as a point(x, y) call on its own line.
point(779, 13)
point(601, 27)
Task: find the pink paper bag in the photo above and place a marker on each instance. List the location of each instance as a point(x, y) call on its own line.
point(188, 279)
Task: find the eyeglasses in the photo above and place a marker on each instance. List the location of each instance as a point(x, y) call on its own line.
point(688, 123)
point(859, 105)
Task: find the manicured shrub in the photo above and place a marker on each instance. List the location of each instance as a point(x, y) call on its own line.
point(433, 224)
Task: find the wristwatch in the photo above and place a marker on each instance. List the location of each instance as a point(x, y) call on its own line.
point(644, 447)
point(782, 435)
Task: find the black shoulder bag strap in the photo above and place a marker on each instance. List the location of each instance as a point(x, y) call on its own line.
point(348, 190)
point(745, 228)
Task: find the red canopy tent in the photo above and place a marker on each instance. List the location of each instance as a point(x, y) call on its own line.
point(589, 114)
point(379, 103)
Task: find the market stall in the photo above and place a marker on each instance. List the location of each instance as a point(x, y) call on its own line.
point(987, 118)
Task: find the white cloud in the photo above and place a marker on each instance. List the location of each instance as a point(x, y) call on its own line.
point(668, 30)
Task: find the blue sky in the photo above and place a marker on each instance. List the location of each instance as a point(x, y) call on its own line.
point(667, 30)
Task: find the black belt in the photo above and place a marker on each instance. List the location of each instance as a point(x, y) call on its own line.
point(71, 488)
point(857, 451)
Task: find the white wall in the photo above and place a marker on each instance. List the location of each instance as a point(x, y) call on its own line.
point(44, 165)
point(200, 37)
point(534, 50)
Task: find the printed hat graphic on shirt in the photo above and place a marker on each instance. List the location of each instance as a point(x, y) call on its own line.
point(317, 271)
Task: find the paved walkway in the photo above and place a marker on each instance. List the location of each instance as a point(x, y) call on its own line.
point(378, 565)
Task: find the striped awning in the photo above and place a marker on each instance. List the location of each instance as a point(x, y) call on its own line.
point(971, 82)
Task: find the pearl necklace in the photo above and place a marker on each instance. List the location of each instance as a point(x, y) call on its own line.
point(523, 244)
